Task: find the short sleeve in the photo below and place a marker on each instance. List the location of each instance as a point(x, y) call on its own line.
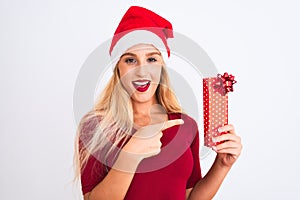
point(196, 172)
point(93, 172)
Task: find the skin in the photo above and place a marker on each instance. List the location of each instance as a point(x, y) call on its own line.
point(144, 62)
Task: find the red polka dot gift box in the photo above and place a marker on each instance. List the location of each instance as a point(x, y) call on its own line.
point(215, 105)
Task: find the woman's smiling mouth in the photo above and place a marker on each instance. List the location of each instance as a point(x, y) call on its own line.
point(141, 85)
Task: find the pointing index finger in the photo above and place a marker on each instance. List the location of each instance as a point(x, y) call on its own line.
point(170, 123)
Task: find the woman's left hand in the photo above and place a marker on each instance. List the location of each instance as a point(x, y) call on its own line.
point(228, 151)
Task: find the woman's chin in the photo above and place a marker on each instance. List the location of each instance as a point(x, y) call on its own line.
point(142, 97)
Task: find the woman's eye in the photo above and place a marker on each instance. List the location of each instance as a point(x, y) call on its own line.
point(130, 60)
point(152, 60)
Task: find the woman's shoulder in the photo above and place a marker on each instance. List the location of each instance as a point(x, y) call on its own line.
point(90, 120)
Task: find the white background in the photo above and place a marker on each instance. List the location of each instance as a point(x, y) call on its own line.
point(45, 43)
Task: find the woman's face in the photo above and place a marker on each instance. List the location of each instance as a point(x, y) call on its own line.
point(140, 69)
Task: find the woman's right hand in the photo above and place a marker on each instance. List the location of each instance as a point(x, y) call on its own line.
point(143, 144)
point(146, 141)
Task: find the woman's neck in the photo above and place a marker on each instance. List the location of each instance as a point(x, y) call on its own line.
point(144, 108)
point(148, 113)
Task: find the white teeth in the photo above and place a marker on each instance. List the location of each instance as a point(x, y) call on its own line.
point(141, 83)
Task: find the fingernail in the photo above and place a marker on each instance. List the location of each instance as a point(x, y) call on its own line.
point(214, 139)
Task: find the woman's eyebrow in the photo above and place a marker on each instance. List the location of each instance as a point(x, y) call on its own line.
point(128, 54)
point(153, 53)
point(148, 54)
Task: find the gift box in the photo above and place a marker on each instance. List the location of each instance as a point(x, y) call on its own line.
point(215, 105)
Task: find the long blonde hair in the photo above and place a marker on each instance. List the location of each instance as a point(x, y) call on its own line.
point(108, 124)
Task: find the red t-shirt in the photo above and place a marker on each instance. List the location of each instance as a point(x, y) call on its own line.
point(164, 176)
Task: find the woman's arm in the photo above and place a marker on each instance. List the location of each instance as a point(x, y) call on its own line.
point(116, 183)
point(208, 186)
point(227, 154)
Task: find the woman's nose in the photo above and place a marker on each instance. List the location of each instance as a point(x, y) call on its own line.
point(141, 70)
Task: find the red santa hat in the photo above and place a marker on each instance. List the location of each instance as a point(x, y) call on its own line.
point(141, 26)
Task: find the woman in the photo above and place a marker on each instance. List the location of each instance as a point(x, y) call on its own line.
point(137, 143)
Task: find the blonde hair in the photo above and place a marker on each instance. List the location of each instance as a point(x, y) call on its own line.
point(110, 123)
